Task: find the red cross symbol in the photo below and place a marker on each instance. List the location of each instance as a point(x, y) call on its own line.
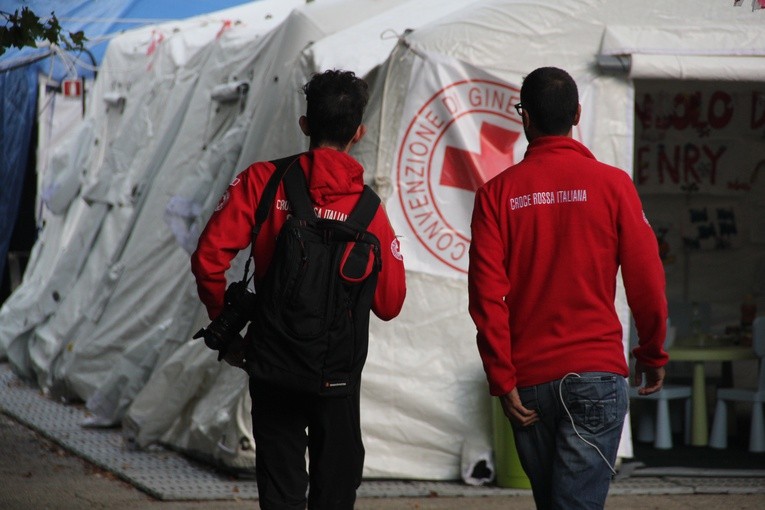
point(467, 170)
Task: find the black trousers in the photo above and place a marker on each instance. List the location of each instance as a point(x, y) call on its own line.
point(285, 424)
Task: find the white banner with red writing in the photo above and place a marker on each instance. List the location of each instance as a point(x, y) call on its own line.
point(459, 128)
point(699, 137)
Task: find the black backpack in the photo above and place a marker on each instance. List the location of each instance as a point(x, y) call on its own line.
point(310, 328)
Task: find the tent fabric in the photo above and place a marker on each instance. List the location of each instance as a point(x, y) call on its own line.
point(81, 381)
point(98, 20)
point(17, 111)
point(206, 415)
point(149, 127)
point(691, 52)
point(142, 245)
point(664, 37)
point(507, 39)
point(106, 162)
point(691, 67)
point(19, 70)
point(107, 305)
point(261, 134)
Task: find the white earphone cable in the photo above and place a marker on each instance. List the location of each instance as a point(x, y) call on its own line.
point(560, 395)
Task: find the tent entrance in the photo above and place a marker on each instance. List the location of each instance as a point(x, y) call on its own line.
point(699, 167)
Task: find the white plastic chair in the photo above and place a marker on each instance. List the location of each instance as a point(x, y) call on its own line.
point(657, 427)
point(719, 435)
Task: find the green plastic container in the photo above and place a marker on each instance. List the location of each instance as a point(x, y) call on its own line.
point(510, 473)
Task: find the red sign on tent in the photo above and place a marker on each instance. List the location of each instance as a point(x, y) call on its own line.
point(72, 88)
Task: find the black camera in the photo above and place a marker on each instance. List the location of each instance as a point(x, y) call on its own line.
point(238, 306)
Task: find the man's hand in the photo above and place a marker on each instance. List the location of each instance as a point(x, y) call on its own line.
point(514, 410)
point(654, 378)
point(235, 353)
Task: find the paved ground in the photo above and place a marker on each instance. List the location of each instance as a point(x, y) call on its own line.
point(38, 474)
point(49, 461)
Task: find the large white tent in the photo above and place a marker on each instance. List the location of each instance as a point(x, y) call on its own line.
point(507, 39)
point(136, 110)
point(107, 305)
point(42, 85)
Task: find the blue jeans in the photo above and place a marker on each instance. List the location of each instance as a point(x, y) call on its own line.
point(565, 471)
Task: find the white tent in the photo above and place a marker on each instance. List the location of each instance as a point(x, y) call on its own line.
point(138, 104)
point(145, 421)
point(119, 338)
point(427, 91)
point(186, 211)
point(131, 318)
point(87, 178)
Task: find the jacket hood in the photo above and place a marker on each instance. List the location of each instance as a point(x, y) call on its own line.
point(331, 174)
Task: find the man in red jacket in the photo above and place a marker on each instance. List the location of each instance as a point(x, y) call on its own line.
point(335, 106)
point(548, 237)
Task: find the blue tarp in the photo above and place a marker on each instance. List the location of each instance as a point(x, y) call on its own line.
point(19, 71)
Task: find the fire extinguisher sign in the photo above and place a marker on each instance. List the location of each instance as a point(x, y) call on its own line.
point(72, 88)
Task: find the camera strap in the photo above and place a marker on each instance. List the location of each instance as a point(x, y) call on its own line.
point(281, 166)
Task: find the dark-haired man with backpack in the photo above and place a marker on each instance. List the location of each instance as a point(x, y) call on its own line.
point(297, 404)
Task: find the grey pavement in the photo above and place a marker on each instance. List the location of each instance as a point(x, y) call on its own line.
point(48, 461)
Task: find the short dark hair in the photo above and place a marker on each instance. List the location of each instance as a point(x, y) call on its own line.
point(550, 97)
point(336, 101)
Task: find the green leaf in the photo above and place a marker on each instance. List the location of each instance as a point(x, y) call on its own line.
point(24, 28)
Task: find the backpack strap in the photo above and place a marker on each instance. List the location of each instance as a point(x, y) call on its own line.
point(296, 187)
point(281, 166)
point(365, 208)
point(356, 264)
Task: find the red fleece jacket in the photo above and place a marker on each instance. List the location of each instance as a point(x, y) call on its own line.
point(335, 182)
point(548, 237)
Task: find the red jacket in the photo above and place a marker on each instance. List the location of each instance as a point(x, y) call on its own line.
point(548, 237)
point(335, 180)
